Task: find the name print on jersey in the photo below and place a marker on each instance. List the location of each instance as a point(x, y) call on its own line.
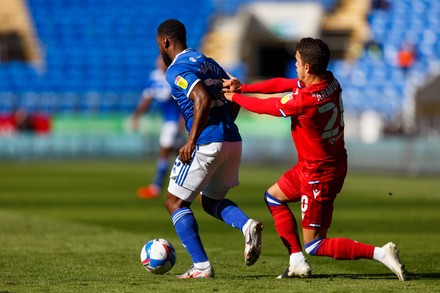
point(327, 92)
point(205, 67)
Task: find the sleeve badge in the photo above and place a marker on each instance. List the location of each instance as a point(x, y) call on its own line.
point(286, 98)
point(181, 82)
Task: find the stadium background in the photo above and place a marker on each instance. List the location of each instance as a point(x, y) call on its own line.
point(75, 70)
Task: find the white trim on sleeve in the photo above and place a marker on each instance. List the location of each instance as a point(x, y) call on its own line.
point(192, 87)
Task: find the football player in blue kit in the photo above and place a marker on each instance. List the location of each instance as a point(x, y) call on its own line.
point(208, 162)
point(158, 90)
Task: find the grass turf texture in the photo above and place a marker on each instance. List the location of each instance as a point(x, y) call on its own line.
point(78, 227)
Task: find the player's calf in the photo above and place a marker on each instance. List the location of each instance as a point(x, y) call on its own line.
point(339, 248)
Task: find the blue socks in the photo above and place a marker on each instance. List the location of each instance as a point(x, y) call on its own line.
point(227, 211)
point(188, 232)
point(161, 172)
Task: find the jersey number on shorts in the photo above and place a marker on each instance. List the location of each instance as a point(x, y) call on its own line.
point(330, 129)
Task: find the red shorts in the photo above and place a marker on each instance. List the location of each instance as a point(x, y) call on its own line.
point(316, 197)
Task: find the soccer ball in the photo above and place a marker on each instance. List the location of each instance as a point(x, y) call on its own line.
point(158, 256)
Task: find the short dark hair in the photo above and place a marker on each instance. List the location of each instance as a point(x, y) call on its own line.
point(173, 29)
point(314, 52)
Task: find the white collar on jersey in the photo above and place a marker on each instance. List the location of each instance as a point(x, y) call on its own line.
point(183, 52)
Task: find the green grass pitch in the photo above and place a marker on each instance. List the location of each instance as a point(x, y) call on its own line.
point(79, 227)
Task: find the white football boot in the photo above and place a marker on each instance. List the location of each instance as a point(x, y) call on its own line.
point(391, 259)
point(252, 249)
point(301, 269)
point(194, 273)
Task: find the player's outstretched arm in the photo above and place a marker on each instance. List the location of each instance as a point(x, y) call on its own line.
point(260, 106)
point(270, 86)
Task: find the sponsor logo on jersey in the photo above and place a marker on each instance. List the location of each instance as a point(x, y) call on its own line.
point(181, 82)
point(286, 98)
point(316, 193)
point(192, 59)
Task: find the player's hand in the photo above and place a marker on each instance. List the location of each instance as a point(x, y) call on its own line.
point(228, 96)
point(186, 151)
point(231, 85)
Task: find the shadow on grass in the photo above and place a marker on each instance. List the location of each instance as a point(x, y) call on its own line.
point(410, 276)
point(423, 276)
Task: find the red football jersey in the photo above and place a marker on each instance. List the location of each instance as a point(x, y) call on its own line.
point(317, 123)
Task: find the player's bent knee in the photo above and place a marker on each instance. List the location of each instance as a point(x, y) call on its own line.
point(208, 205)
point(216, 207)
point(173, 203)
point(312, 247)
point(271, 200)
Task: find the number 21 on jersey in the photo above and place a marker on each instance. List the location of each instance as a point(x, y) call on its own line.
point(333, 126)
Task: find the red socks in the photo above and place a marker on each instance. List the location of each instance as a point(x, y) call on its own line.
point(343, 248)
point(286, 226)
point(338, 248)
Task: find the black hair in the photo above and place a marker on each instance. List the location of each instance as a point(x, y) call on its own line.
point(173, 29)
point(314, 52)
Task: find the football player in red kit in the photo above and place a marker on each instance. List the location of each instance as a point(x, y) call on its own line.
point(314, 105)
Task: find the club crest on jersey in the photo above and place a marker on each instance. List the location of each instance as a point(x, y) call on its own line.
point(286, 98)
point(181, 82)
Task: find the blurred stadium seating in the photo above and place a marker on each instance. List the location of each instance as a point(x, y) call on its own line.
point(97, 53)
point(379, 84)
point(231, 7)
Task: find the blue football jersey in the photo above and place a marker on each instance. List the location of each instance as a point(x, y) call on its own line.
point(159, 89)
point(188, 68)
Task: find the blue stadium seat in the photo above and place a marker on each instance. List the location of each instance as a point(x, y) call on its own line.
point(68, 103)
point(109, 103)
point(30, 101)
point(231, 7)
point(97, 46)
point(8, 103)
point(417, 21)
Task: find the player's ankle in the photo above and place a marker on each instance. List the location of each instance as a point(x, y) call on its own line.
point(297, 257)
point(379, 254)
